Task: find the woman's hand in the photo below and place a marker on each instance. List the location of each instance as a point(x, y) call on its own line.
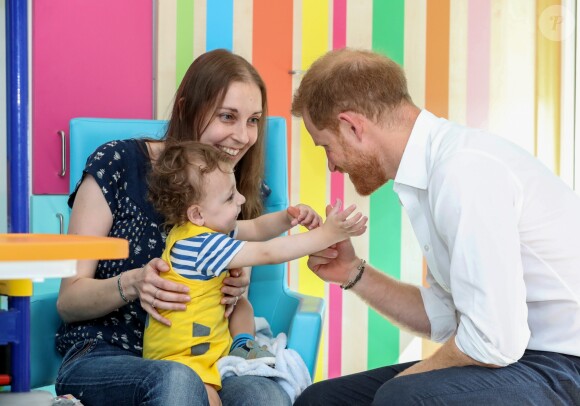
point(304, 215)
point(234, 286)
point(154, 292)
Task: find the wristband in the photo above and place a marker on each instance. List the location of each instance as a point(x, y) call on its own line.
point(121, 289)
point(352, 282)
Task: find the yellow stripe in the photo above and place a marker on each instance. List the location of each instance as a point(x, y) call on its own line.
point(166, 56)
point(548, 41)
point(16, 287)
point(313, 176)
point(568, 94)
point(313, 160)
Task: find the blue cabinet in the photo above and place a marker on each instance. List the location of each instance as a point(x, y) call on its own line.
point(49, 214)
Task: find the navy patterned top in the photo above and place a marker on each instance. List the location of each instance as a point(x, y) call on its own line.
point(120, 169)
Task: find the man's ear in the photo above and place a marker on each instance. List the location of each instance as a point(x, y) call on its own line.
point(194, 215)
point(353, 123)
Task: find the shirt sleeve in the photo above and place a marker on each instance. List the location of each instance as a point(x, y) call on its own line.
point(440, 310)
point(106, 166)
point(475, 200)
point(205, 255)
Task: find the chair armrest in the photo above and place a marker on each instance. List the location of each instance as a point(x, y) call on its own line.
point(306, 329)
point(44, 323)
point(297, 315)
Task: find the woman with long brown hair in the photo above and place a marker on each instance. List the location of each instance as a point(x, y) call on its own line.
point(221, 101)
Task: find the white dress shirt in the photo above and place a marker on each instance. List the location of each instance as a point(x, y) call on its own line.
point(501, 237)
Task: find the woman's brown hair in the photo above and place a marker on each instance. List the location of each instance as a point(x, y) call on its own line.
point(200, 93)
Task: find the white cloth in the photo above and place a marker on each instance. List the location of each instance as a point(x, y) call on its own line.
point(501, 236)
point(290, 370)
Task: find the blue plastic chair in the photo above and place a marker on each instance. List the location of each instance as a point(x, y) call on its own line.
point(299, 316)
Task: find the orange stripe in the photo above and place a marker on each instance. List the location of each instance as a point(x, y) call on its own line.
point(272, 56)
point(437, 58)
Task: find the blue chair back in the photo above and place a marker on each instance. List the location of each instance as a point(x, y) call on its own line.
point(299, 316)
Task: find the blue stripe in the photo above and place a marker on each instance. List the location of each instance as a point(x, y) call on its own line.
point(220, 24)
point(17, 126)
point(210, 245)
point(184, 257)
point(222, 257)
point(190, 266)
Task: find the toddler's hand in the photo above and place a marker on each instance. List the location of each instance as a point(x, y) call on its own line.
point(304, 215)
point(339, 223)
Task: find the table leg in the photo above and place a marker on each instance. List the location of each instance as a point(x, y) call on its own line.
point(20, 350)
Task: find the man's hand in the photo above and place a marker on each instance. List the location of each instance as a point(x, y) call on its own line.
point(449, 355)
point(335, 263)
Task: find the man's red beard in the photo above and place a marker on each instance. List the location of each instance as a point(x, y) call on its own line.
point(365, 172)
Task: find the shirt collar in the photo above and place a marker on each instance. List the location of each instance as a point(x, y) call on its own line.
point(413, 167)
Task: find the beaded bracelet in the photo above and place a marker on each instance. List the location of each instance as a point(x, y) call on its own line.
point(352, 282)
point(121, 289)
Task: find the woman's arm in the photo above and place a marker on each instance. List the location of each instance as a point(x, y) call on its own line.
point(82, 297)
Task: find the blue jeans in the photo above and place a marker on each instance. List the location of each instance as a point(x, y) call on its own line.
point(539, 378)
point(99, 374)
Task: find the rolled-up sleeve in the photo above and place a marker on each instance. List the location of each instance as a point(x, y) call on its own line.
point(440, 310)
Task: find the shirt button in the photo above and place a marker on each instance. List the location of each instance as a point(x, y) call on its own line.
point(426, 247)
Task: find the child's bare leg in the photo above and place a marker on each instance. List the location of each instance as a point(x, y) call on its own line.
point(212, 395)
point(242, 318)
point(243, 332)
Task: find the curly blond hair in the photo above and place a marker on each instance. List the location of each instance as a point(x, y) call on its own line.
point(177, 178)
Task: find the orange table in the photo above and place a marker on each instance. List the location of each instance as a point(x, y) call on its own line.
point(27, 257)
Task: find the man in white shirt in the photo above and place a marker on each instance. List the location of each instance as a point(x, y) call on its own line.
point(499, 231)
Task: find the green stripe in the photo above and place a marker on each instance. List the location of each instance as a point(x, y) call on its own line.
point(385, 208)
point(184, 39)
point(388, 28)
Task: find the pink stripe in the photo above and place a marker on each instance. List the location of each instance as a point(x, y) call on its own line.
point(335, 298)
point(336, 192)
point(339, 24)
point(478, 48)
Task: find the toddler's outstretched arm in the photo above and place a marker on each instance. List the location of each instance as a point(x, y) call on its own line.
point(272, 225)
point(339, 225)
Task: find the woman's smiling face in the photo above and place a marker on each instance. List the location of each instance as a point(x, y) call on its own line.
point(234, 126)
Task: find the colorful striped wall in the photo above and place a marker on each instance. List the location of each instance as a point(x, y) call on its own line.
point(495, 64)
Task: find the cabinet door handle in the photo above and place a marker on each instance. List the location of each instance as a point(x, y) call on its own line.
point(63, 153)
point(60, 218)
